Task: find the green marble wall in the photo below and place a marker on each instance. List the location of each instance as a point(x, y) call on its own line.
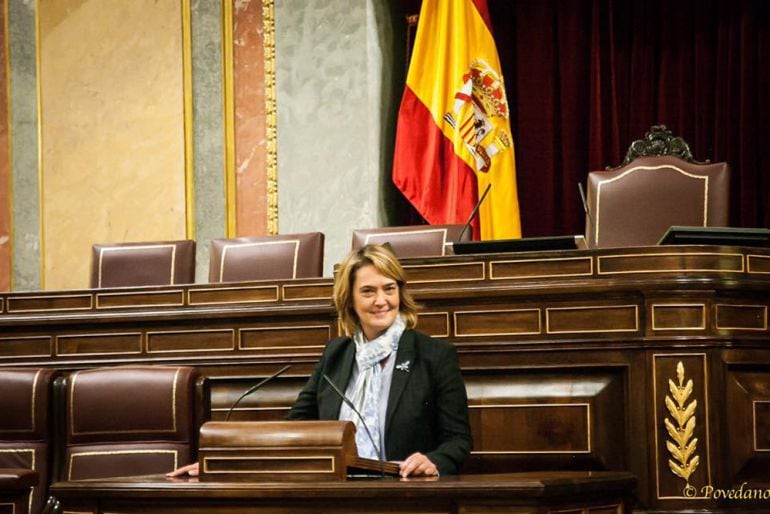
point(208, 131)
point(25, 183)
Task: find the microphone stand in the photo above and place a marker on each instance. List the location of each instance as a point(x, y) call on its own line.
point(363, 423)
point(474, 212)
point(254, 388)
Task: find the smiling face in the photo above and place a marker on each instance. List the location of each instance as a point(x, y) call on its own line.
point(375, 301)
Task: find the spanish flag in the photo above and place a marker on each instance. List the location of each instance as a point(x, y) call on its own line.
point(454, 135)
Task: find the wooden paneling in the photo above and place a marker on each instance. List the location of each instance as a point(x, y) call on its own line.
point(741, 317)
point(19, 347)
point(435, 324)
point(592, 318)
point(758, 263)
point(681, 406)
point(442, 273)
point(671, 263)
point(99, 344)
point(513, 493)
point(551, 417)
point(748, 426)
point(228, 295)
point(674, 316)
point(567, 356)
point(125, 300)
point(497, 322)
point(285, 337)
point(42, 303)
point(541, 268)
point(190, 341)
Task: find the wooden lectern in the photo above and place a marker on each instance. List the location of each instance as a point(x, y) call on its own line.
point(248, 451)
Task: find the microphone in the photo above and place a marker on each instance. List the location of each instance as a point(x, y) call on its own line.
point(589, 214)
point(474, 212)
point(363, 423)
point(254, 388)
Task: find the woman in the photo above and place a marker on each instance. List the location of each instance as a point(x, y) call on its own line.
point(406, 385)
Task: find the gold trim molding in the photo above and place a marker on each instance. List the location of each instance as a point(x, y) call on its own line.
point(586, 406)
point(271, 116)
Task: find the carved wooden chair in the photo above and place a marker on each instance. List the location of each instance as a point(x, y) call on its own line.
point(658, 185)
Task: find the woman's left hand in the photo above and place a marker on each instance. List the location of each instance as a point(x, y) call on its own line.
point(417, 464)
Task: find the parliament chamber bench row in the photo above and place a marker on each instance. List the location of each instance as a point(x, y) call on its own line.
point(96, 423)
point(120, 429)
point(285, 256)
point(573, 360)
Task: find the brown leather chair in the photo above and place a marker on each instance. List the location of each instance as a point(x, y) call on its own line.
point(25, 434)
point(129, 420)
point(143, 264)
point(659, 185)
point(267, 258)
point(413, 240)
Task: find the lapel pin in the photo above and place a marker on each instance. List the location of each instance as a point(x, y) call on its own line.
point(404, 366)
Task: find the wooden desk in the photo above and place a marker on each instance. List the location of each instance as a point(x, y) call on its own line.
point(535, 493)
point(568, 356)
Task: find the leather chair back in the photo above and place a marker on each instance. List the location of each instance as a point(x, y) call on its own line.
point(635, 204)
point(413, 240)
point(129, 420)
point(267, 258)
point(25, 432)
point(143, 264)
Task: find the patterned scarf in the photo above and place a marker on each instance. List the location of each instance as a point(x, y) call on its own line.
point(368, 385)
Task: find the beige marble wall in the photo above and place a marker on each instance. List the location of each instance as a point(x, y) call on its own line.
point(111, 126)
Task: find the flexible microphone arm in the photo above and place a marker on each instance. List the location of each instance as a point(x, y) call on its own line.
point(363, 423)
point(254, 388)
point(474, 212)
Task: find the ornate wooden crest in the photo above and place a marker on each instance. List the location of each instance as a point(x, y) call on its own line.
point(659, 141)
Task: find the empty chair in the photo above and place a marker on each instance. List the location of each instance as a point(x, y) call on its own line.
point(413, 240)
point(129, 420)
point(143, 264)
point(267, 258)
point(659, 185)
point(25, 434)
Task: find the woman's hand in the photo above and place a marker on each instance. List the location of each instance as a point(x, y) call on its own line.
point(417, 464)
point(190, 469)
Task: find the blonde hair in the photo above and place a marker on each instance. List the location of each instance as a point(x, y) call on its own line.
point(386, 263)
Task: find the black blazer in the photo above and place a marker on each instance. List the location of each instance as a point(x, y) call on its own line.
point(427, 407)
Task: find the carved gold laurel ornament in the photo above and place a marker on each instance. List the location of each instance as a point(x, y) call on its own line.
point(682, 449)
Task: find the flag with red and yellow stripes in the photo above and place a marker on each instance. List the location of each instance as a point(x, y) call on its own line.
point(454, 135)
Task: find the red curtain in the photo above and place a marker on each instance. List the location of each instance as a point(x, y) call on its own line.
point(587, 77)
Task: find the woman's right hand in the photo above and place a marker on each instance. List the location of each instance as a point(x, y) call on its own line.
point(190, 469)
